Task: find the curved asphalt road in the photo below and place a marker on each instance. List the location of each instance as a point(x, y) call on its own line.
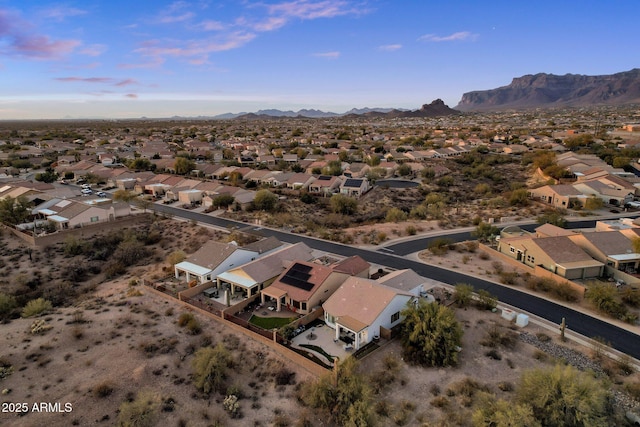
point(620, 339)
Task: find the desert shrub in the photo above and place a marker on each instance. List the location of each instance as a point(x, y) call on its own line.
point(382, 408)
point(411, 230)
point(395, 215)
point(113, 268)
point(463, 294)
point(284, 376)
point(505, 386)
point(103, 389)
point(486, 301)
point(141, 412)
point(633, 388)
point(210, 367)
point(497, 267)
point(439, 402)
point(439, 246)
point(493, 354)
point(8, 304)
point(189, 321)
point(36, 307)
point(497, 336)
point(604, 299)
point(467, 387)
point(630, 295)
point(509, 277)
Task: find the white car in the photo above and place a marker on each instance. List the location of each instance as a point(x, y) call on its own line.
point(86, 191)
point(101, 194)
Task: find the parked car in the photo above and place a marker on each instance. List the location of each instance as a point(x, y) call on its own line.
point(101, 194)
point(86, 191)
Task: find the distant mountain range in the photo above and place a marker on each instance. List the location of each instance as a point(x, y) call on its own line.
point(435, 109)
point(549, 90)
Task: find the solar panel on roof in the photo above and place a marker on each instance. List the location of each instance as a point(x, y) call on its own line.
point(301, 268)
point(301, 284)
point(298, 276)
point(352, 183)
point(324, 178)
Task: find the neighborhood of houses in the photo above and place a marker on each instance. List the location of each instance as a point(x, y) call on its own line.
point(358, 302)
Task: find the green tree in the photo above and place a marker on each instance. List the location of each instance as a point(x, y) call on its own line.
point(486, 300)
point(265, 200)
point(48, 176)
point(343, 204)
point(334, 167)
point(462, 294)
point(519, 197)
point(485, 231)
point(345, 395)
point(183, 166)
point(564, 396)
point(431, 335)
point(552, 217)
point(222, 201)
point(210, 368)
point(14, 211)
point(176, 257)
point(501, 413)
point(593, 203)
point(8, 303)
point(124, 196)
point(403, 170)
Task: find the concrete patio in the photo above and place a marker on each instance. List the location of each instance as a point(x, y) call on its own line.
point(323, 337)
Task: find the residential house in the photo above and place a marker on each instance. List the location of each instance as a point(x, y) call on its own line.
point(300, 181)
point(406, 281)
point(360, 308)
point(558, 196)
point(354, 187)
point(214, 258)
point(65, 213)
point(304, 286)
point(325, 185)
point(610, 192)
point(559, 255)
point(612, 248)
point(249, 279)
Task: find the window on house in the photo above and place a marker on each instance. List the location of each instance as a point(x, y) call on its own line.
point(395, 317)
point(303, 305)
point(513, 250)
point(94, 219)
point(296, 304)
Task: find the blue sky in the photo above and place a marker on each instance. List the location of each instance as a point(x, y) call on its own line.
point(120, 59)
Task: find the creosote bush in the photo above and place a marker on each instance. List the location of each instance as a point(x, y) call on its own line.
point(36, 307)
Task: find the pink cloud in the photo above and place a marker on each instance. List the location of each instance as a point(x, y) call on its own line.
point(210, 25)
point(305, 9)
point(104, 80)
point(19, 41)
point(131, 95)
point(93, 50)
point(85, 79)
point(390, 47)
point(196, 51)
point(459, 36)
point(328, 55)
point(127, 82)
point(60, 13)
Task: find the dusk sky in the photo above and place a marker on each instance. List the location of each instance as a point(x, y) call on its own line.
point(123, 59)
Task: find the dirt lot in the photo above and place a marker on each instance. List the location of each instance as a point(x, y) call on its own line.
point(116, 341)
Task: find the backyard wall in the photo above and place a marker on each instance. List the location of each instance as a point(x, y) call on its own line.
point(621, 275)
point(86, 231)
point(289, 354)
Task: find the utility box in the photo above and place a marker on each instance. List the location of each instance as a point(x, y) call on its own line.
point(508, 314)
point(522, 320)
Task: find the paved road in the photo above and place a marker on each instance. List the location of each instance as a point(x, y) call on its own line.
point(588, 326)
